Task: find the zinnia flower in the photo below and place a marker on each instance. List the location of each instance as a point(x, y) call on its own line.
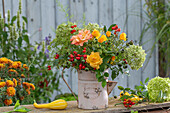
point(96, 33)
point(15, 82)
point(10, 91)
point(2, 84)
point(8, 102)
point(94, 59)
point(108, 33)
point(82, 37)
point(123, 36)
point(9, 83)
point(102, 39)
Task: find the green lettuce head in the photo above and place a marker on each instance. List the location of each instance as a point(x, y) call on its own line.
point(158, 85)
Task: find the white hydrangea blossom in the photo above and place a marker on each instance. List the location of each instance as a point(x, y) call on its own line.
point(135, 56)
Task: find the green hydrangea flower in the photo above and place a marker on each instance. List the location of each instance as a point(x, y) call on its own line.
point(135, 56)
point(156, 85)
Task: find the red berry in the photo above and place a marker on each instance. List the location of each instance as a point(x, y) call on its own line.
point(115, 27)
point(126, 106)
point(124, 102)
point(75, 25)
point(49, 66)
point(57, 55)
point(130, 106)
point(94, 68)
point(129, 101)
point(124, 99)
point(118, 30)
point(78, 58)
point(84, 48)
point(72, 26)
point(71, 56)
point(83, 67)
point(85, 56)
point(73, 64)
point(133, 103)
point(73, 30)
point(106, 43)
point(70, 60)
point(124, 60)
point(115, 32)
point(84, 51)
point(79, 55)
point(74, 52)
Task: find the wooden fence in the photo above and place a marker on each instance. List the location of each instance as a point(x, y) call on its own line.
point(128, 14)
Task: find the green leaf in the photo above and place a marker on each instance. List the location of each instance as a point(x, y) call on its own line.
point(13, 19)
point(105, 29)
point(25, 19)
point(98, 75)
point(19, 41)
point(103, 83)
point(146, 80)
point(17, 104)
point(120, 88)
point(141, 83)
point(100, 79)
point(106, 74)
point(110, 28)
point(21, 109)
point(127, 89)
point(114, 75)
point(26, 39)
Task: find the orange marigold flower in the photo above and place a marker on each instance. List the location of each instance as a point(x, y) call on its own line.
point(2, 84)
point(25, 66)
point(21, 98)
point(15, 82)
point(32, 86)
point(108, 33)
point(10, 91)
point(8, 102)
point(9, 83)
point(113, 58)
point(28, 91)
point(11, 71)
point(2, 66)
point(26, 85)
point(22, 76)
point(82, 37)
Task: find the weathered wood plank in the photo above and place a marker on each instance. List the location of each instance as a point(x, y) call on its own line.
point(119, 18)
point(149, 37)
point(48, 18)
point(91, 11)
point(133, 31)
point(34, 19)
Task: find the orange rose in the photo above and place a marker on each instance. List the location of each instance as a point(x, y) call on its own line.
point(102, 39)
point(108, 33)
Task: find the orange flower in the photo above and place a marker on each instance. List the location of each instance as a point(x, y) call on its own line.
point(25, 66)
point(16, 64)
point(22, 76)
point(28, 91)
point(10, 91)
point(113, 58)
point(108, 33)
point(2, 66)
point(15, 82)
point(123, 36)
point(11, 71)
point(82, 37)
point(2, 84)
point(8, 102)
point(32, 86)
point(96, 33)
point(9, 83)
point(102, 39)
point(26, 85)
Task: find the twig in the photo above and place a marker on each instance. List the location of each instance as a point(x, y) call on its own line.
point(68, 85)
point(3, 5)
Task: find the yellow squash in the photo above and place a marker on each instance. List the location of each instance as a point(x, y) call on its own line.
point(57, 104)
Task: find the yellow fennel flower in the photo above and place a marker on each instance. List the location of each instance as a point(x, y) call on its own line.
point(94, 60)
point(123, 36)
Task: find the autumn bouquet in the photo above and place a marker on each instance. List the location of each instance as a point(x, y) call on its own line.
point(14, 83)
point(94, 48)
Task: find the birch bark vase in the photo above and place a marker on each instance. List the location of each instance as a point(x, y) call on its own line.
point(91, 94)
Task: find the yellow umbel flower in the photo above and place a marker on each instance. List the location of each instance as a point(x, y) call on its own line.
point(9, 83)
point(108, 33)
point(10, 91)
point(123, 36)
point(96, 33)
point(102, 39)
point(94, 59)
point(2, 84)
point(8, 102)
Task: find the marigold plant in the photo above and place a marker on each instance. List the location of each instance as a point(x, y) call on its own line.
point(12, 81)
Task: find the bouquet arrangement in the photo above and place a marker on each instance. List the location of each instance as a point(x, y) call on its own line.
point(94, 48)
point(13, 81)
